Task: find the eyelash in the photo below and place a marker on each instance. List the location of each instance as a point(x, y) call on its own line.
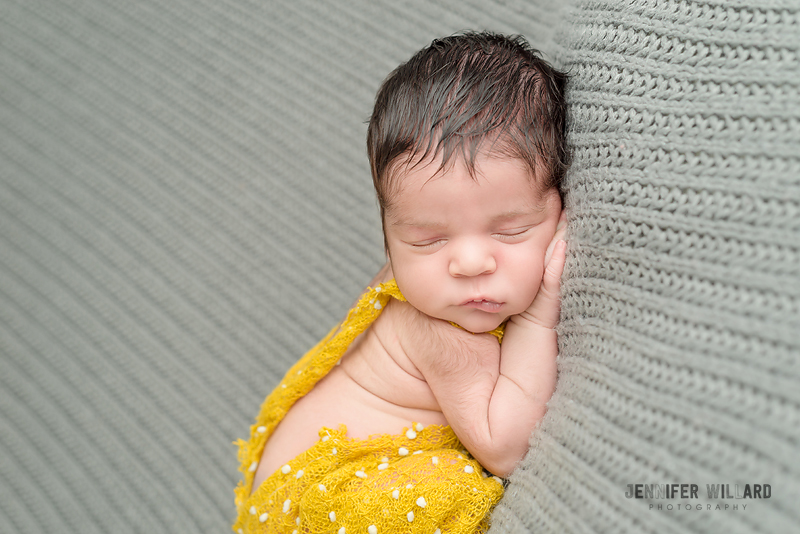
point(426, 245)
point(501, 236)
point(511, 236)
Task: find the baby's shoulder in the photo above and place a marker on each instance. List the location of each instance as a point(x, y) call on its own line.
point(388, 336)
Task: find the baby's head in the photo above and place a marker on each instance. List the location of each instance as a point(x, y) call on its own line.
point(467, 149)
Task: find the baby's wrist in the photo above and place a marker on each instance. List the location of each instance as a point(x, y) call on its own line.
point(528, 321)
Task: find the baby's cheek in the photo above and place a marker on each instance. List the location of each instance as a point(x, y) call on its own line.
point(416, 282)
point(528, 287)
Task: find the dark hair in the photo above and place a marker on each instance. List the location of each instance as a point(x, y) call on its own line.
point(462, 91)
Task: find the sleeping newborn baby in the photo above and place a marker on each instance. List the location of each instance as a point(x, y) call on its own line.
point(392, 421)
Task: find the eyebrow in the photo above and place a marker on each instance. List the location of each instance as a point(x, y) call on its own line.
point(417, 224)
point(502, 217)
point(515, 214)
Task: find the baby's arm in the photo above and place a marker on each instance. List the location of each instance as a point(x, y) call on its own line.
point(493, 397)
point(528, 371)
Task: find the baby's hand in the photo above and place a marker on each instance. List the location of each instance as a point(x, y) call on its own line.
point(546, 307)
point(432, 343)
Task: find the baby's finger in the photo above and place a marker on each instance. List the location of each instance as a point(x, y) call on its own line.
point(546, 307)
point(555, 267)
point(561, 231)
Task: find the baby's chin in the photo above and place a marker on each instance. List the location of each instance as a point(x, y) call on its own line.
point(480, 323)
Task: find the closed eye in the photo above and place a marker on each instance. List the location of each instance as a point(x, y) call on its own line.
point(512, 235)
point(427, 244)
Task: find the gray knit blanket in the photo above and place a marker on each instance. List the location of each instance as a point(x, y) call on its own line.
point(186, 207)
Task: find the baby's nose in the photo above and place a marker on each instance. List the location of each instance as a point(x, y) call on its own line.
point(471, 260)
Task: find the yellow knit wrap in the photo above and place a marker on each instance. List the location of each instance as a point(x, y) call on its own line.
point(415, 482)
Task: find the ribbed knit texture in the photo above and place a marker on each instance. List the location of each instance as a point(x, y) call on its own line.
point(186, 208)
point(680, 350)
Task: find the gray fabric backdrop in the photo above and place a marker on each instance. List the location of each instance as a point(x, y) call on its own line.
point(185, 208)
